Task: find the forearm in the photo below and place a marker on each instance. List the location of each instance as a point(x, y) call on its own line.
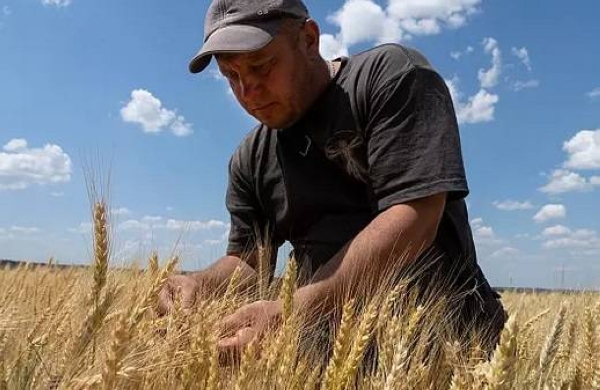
point(217, 276)
point(391, 241)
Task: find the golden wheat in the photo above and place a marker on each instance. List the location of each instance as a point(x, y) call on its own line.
point(52, 336)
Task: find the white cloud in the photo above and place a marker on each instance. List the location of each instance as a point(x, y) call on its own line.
point(489, 78)
point(449, 13)
point(24, 230)
point(477, 221)
point(562, 181)
point(152, 219)
point(484, 232)
point(481, 231)
point(523, 55)
point(583, 150)
point(133, 224)
point(477, 109)
point(362, 21)
point(458, 54)
point(213, 242)
point(83, 228)
point(583, 154)
point(148, 111)
point(521, 85)
point(15, 145)
point(21, 166)
point(558, 230)
point(511, 205)
point(6, 11)
point(506, 253)
point(374, 25)
point(581, 239)
point(480, 108)
point(331, 47)
point(549, 212)
point(594, 93)
point(484, 235)
point(120, 211)
point(181, 128)
point(57, 3)
point(173, 224)
point(156, 222)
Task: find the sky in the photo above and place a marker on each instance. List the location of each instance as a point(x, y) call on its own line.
point(98, 92)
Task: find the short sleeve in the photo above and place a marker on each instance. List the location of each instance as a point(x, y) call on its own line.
point(413, 143)
point(243, 207)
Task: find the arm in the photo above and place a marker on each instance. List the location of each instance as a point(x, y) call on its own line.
point(216, 277)
point(252, 264)
point(398, 235)
point(360, 263)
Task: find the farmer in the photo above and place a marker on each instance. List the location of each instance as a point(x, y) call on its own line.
point(356, 162)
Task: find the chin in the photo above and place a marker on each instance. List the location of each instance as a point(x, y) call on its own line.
point(274, 123)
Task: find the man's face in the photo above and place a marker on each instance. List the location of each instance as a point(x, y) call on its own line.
point(272, 83)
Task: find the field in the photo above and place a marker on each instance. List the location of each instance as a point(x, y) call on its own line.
point(96, 328)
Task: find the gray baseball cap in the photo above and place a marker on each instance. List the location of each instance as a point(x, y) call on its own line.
point(233, 26)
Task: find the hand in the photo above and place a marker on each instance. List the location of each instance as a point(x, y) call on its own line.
point(248, 323)
point(186, 285)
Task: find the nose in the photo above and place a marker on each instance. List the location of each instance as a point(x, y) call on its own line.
point(249, 86)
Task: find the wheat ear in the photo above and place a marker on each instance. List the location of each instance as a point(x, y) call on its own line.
point(359, 344)
point(401, 352)
point(551, 346)
point(3, 381)
point(288, 288)
point(248, 357)
point(501, 369)
point(153, 267)
point(588, 360)
point(341, 346)
point(101, 249)
point(121, 336)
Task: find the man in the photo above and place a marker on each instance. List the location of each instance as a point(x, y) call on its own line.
point(356, 162)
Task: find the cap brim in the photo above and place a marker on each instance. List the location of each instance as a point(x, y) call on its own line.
point(237, 38)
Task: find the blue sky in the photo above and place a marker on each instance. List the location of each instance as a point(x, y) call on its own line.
point(104, 85)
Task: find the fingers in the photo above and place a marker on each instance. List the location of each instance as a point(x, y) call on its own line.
point(165, 300)
point(182, 288)
point(231, 324)
point(189, 297)
point(231, 348)
point(242, 337)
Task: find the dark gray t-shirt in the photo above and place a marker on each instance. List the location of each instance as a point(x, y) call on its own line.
point(383, 133)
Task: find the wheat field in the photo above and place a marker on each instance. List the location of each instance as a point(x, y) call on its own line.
point(96, 328)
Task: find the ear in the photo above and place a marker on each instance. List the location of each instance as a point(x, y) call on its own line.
point(312, 36)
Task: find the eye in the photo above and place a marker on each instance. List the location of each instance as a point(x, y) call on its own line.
point(229, 75)
point(264, 68)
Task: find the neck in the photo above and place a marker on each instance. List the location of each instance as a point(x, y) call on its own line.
point(322, 78)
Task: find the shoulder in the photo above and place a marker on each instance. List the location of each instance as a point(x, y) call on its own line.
point(388, 60)
point(251, 149)
point(385, 73)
